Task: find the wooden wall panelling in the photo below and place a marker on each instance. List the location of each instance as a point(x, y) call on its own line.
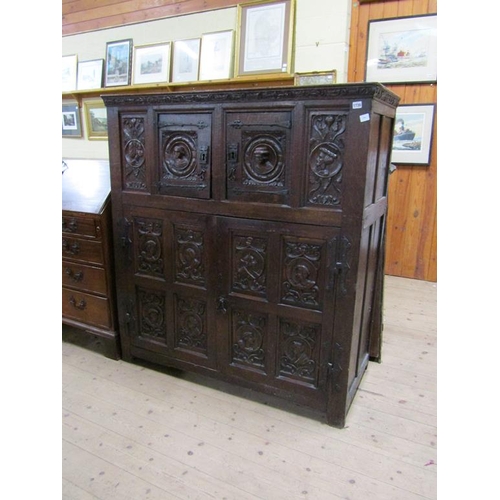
point(412, 210)
point(79, 16)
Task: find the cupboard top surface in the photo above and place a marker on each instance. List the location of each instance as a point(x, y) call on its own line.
point(338, 91)
point(85, 185)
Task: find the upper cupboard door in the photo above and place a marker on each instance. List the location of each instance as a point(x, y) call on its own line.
point(258, 166)
point(185, 154)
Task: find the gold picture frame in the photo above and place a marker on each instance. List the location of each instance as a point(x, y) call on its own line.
point(264, 43)
point(96, 121)
point(216, 55)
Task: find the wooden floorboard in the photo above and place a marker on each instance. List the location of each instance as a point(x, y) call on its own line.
point(131, 431)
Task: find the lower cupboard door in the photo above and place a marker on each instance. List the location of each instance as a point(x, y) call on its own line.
point(168, 307)
point(275, 306)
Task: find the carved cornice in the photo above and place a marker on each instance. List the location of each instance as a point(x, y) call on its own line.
point(348, 91)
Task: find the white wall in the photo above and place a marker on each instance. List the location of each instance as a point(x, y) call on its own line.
point(321, 44)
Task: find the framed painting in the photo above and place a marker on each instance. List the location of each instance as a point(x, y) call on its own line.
point(402, 50)
point(151, 63)
point(71, 121)
point(412, 140)
point(265, 36)
point(118, 63)
point(216, 55)
point(69, 70)
point(96, 120)
point(90, 74)
point(186, 60)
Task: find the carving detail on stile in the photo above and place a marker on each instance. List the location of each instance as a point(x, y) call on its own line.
point(249, 268)
point(248, 339)
point(298, 350)
point(325, 159)
point(190, 322)
point(189, 260)
point(152, 315)
point(133, 148)
point(301, 267)
point(149, 234)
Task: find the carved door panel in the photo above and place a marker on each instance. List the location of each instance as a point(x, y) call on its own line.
point(185, 154)
point(275, 303)
point(169, 280)
point(258, 148)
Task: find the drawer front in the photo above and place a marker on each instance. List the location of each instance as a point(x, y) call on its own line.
point(82, 226)
point(86, 308)
point(83, 250)
point(85, 278)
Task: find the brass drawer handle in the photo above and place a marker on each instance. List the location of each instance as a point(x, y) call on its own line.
point(80, 305)
point(70, 227)
point(75, 276)
point(73, 249)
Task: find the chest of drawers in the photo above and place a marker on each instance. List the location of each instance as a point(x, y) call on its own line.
point(87, 264)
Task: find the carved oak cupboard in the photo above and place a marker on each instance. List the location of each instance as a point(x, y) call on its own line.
point(249, 234)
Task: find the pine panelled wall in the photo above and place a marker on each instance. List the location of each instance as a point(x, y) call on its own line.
point(79, 16)
point(411, 249)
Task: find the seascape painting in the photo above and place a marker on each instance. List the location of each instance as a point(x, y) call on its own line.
point(412, 136)
point(404, 49)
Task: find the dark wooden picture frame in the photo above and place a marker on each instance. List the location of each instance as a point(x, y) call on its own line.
point(118, 63)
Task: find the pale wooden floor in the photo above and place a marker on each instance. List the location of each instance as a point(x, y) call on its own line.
point(131, 432)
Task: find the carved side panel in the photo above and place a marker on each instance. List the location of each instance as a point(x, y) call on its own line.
point(190, 259)
point(152, 315)
point(301, 264)
point(325, 159)
point(149, 252)
point(190, 325)
point(299, 348)
point(134, 153)
point(249, 265)
point(248, 339)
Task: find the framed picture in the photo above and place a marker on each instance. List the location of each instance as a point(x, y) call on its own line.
point(90, 74)
point(316, 78)
point(151, 63)
point(216, 55)
point(186, 60)
point(96, 119)
point(412, 141)
point(71, 122)
point(265, 36)
point(402, 50)
point(69, 69)
point(118, 63)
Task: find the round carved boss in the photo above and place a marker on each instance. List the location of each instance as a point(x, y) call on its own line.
point(301, 273)
point(134, 153)
point(263, 159)
point(326, 160)
point(150, 248)
point(249, 338)
point(179, 156)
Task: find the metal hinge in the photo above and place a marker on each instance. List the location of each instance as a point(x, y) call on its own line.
point(338, 249)
point(341, 265)
point(335, 368)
